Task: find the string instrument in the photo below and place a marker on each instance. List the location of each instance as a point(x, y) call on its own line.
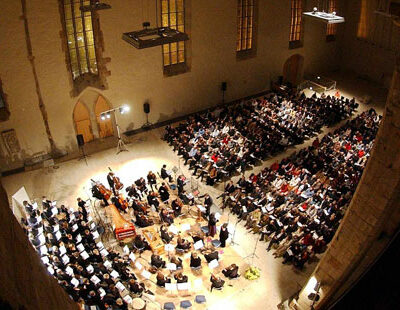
point(103, 190)
point(142, 206)
point(123, 202)
point(117, 182)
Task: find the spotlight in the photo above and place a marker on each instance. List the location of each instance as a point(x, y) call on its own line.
point(108, 115)
point(310, 88)
point(318, 77)
point(315, 10)
point(102, 117)
point(334, 13)
point(124, 109)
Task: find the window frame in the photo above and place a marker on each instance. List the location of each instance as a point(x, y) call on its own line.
point(296, 30)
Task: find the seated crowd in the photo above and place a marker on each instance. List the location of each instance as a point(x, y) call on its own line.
point(220, 142)
point(296, 205)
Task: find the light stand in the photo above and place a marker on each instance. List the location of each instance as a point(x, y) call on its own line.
point(83, 154)
point(121, 147)
point(234, 233)
point(252, 255)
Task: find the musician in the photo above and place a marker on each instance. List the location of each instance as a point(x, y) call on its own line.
point(133, 192)
point(212, 225)
point(152, 200)
point(136, 287)
point(166, 217)
point(96, 193)
point(161, 279)
point(152, 179)
point(142, 221)
point(110, 180)
point(180, 183)
point(177, 262)
point(165, 174)
point(28, 207)
point(216, 282)
point(138, 206)
point(140, 243)
point(231, 272)
point(210, 255)
point(182, 244)
point(157, 261)
point(186, 198)
point(177, 207)
point(207, 203)
point(223, 235)
point(45, 202)
point(141, 185)
point(197, 236)
point(212, 176)
point(195, 260)
point(81, 203)
point(166, 237)
point(164, 193)
point(118, 203)
point(181, 278)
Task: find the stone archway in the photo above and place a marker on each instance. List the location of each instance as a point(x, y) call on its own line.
point(293, 69)
point(106, 126)
point(82, 122)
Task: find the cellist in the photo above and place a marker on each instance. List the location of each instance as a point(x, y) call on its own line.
point(110, 180)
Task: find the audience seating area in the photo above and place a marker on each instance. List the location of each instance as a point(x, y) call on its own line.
point(221, 142)
point(296, 205)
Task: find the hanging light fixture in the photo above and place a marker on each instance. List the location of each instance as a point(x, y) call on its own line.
point(320, 13)
point(150, 37)
point(95, 6)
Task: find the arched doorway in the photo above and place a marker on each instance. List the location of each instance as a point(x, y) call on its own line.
point(293, 69)
point(82, 122)
point(106, 127)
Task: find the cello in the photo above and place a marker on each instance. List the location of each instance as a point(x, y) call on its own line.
point(117, 182)
point(106, 193)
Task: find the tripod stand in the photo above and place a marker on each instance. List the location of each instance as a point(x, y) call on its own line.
point(234, 233)
point(121, 147)
point(83, 154)
point(252, 255)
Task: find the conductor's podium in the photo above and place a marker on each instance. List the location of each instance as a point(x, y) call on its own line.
point(122, 228)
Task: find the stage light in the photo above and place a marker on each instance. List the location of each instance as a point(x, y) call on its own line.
point(318, 77)
point(108, 115)
point(124, 109)
point(315, 10)
point(102, 117)
point(310, 88)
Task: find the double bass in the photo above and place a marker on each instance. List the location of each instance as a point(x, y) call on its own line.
point(117, 182)
point(106, 193)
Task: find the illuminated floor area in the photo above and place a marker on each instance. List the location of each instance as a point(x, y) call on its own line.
point(147, 152)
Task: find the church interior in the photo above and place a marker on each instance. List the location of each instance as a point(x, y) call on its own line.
point(182, 154)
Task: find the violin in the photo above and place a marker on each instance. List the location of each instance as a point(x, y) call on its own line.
point(103, 190)
point(117, 182)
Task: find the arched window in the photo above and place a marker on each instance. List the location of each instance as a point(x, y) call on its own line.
point(174, 54)
point(80, 38)
point(83, 45)
point(296, 24)
point(245, 20)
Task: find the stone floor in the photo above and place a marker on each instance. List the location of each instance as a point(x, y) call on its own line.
point(71, 179)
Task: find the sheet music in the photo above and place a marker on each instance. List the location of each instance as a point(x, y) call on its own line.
point(104, 252)
point(170, 286)
point(201, 208)
point(138, 265)
point(217, 216)
point(90, 269)
point(50, 269)
point(173, 229)
point(132, 257)
point(85, 255)
point(171, 266)
point(63, 250)
point(185, 227)
point(95, 279)
point(146, 274)
point(114, 274)
point(100, 245)
point(102, 292)
point(54, 211)
point(74, 282)
point(107, 264)
point(198, 245)
point(95, 234)
point(213, 264)
point(128, 299)
point(65, 259)
point(78, 238)
point(80, 247)
point(126, 249)
point(45, 259)
point(169, 247)
point(183, 286)
point(69, 271)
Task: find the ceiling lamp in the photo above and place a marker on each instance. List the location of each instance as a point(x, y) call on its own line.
point(149, 37)
point(320, 13)
point(96, 6)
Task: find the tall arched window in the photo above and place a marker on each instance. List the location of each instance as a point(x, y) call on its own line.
point(80, 38)
point(296, 24)
point(174, 54)
point(245, 20)
point(331, 28)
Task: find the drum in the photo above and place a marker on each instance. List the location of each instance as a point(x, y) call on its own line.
point(138, 304)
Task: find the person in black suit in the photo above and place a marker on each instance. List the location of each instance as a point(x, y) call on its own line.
point(165, 236)
point(223, 235)
point(195, 260)
point(28, 207)
point(164, 193)
point(157, 261)
point(211, 256)
point(231, 272)
point(216, 282)
point(164, 173)
point(110, 180)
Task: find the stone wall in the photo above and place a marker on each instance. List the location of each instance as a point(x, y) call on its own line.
point(137, 75)
point(24, 281)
